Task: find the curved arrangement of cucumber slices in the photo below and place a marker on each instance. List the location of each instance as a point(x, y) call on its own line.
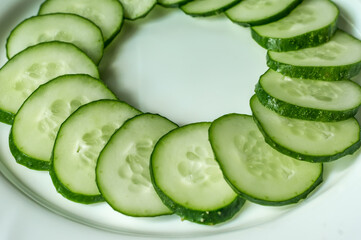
point(256, 12)
point(57, 27)
point(38, 120)
point(254, 169)
point(106, 14)
point(188, 179)
point(78, 143)
point(124, 179)
point(36, 65)
point(96, 148)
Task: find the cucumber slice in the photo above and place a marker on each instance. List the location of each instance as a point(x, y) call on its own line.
point(172, 3)
point(37, 122)
point(124, 179)
point(57, 27)
point(134, 9)
point(77, 146)
point(309, 99)
point(203, 8)
point(305, 26)
point(106, 14)
point(188, 179)
point(36, 65)
point(254, 169)
point(256, 12)
point(311, 141)
point(338, 59)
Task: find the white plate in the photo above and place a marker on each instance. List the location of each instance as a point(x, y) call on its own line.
point(189, 70)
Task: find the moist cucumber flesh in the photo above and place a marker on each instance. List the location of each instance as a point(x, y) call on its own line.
point(134, 9)
point(307, 140)
point(338, 59)
point(305, 26)
point(36, 65)
point(256, 171)
point(38, 120)
point(122, 171)
point(57, 27)
point(307, 98)
point(106, 14)
point(172, 3)
point(207, 7)
point(258, 12)
point(77, 146)
point(188, 179)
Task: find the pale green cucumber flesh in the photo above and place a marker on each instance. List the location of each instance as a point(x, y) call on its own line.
point(207, 7)
point(134, 9)
point(312, 141)
point(309, 99)
point(188, 179)
point(39, 118)
point(57, 27)
point(255, 170)
point(79, 141)
point(172, 3)
point(122, 171)
point(36, 65)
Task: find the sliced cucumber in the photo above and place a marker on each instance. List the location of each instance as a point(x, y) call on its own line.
point(338, 59)
point(36, 65)
point(77, 146)
point(106, 14)
point(37, 122)
point(172, 3)
point(255, 170)
point(198, 8)
point(305, 26)
point(309, 99)
point(122, 171)
point(258, 12)
point(57, 27)
point(134, 9)
point(188, 179)
point(307, 140)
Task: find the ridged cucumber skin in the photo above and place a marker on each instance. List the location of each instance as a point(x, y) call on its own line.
point(6, 117)
point(178, 4)
point(326, 73)
point(211, 13)
point(256, 200)
point(25, 160)
point(304, 157)
point(202, 217)
point(310, 39)
point(273, 18)
point(293, 111)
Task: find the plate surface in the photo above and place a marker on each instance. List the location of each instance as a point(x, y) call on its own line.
point(188, 70)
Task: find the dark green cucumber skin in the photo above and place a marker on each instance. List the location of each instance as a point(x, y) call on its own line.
point(178, 4)
point(326, 73)
point(6, 117)
point(75, 197)
point(26, 160)
point(310, 39)
point(304, 113)
point(273, 18)
point(211, 217)
point(211, 13)
point(304, 157)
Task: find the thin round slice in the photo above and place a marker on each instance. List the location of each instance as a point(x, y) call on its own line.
point(36, 65)
point(57, 27)
point(305, 26)
point(255, 170)
point(309, 99)
point(172, 3)
point(122, 171)
point(134, 9)
point(202, 8)
point(106, 14)
point(77, 146)
point(36, 124)
point(188, 179)
point(256, 12)
point(311, 141)
point(338, 59)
